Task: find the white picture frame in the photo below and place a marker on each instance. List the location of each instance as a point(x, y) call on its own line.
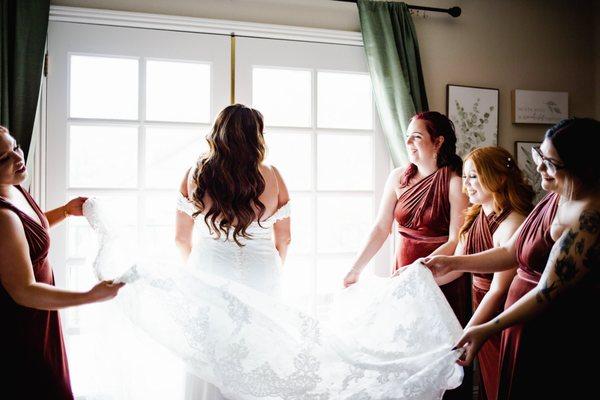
point(539, 107)
point(474, 112)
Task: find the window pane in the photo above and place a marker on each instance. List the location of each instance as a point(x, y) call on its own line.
point(302, 224)
point(170, 152)
point(342, 223)
point(283, 96)
point(103, 156)
point(103, 87)
point(344, 100)
point(345, 162)
point(177, 91)
point(158, 240)
point(291, 154)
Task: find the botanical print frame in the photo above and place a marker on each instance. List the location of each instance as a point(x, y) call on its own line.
point(528, 167)
point(474, 112)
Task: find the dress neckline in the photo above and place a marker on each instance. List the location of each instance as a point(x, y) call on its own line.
point(40, 221)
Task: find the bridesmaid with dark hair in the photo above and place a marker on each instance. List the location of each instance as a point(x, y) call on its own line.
point(549, 333)
point(31, 342)
point(426, 200)
point(500, 201)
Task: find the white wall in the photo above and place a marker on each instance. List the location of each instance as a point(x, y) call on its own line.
point(505, 44)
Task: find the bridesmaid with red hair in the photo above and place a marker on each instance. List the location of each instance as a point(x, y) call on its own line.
point(500, 201)
point(549, 333)
point(426, 201)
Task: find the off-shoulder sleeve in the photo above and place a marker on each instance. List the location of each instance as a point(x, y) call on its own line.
point(185, 205)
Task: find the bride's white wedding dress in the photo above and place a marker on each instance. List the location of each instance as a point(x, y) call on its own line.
point(385, 338)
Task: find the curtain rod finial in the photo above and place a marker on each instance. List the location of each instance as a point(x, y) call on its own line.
point(454, 11)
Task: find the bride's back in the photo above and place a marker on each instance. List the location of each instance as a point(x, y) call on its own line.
point(236, 200)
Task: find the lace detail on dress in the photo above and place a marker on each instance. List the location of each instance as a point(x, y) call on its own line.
point(185, 205)
point(238, 336)
point(283, 212)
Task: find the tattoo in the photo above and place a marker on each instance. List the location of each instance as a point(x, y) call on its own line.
point(579, 247)
point(568, 240)
point(497, 321)
point(592, 256)
point(589, 221)
point(545, 294)
point(566, 269)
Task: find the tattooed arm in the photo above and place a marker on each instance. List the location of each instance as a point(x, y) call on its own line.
point(574, 256)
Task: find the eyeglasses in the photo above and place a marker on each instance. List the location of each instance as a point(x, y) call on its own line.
point(538, 159)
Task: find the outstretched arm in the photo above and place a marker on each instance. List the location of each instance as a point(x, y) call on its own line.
point(380, 230)
point(493, 260)
point(184, 224)
point(574, 256)
point(72, 208)
point(282, 229)
point(18, 279)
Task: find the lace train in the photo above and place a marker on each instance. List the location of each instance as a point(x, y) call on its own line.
point(385, 338)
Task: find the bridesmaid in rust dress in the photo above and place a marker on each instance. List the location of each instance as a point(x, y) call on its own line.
point(31, 341)
point(426, 200)
point(548, 328)
point(500, 202)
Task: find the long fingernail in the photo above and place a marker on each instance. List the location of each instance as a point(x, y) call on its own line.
point(454, 348)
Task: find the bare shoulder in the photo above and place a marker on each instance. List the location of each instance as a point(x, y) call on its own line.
point(396, 174)
point(588, 219)
point(456, 185)
point(187, 183)
point(11, 227)
point(514, 219)
point(508, 227)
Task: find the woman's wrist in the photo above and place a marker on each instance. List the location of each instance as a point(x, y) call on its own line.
point(65, 211)
point(356, 268)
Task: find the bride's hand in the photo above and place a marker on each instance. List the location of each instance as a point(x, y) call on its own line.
point(471, 341)
point(439, 265)
point(351, 278)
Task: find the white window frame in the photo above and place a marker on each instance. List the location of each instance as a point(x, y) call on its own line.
point(382, 165)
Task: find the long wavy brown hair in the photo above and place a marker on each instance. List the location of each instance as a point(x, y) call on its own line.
point(229, 173)
point(498, 173)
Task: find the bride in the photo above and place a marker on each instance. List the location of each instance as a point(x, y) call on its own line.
point(236, 198)
point(222, 314)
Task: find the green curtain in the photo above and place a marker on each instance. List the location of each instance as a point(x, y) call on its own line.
point(392, 51)
point(23, 30)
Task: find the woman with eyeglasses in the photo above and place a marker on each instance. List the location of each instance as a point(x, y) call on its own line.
point(548, 324)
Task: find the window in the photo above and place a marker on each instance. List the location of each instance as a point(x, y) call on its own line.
point(127, 117)
point(323, 135)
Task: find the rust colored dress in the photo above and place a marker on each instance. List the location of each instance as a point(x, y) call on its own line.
point(555, 354)
point(480, 238)
point(423, 216)
point(31, 341)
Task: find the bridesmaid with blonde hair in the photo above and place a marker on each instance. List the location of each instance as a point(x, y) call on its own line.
point(500, 200)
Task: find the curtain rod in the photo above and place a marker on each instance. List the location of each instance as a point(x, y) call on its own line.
point(453, 11)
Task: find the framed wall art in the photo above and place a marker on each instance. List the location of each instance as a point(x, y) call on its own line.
point(539, 107)
point(474, 112)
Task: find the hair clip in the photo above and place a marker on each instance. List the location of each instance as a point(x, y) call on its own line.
point(508, 162)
